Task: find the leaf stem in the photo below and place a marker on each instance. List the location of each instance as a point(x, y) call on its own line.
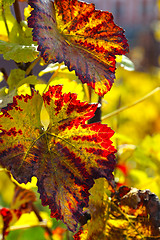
point(52, 77)
point(131, 105)
point(40, 224)
point(86, 91)
point(49, 231)
point(100, 100)
point(5, 22)
point(17, 11)
point(90, 93)
point(31, 66)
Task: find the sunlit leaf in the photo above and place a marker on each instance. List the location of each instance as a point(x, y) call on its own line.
point(125, 92)
point(65, 158)
point(21, 203)
point(86, 39)
point(1, 76)
point(27, 12)
point(21, 34)
point(21, 47)
point(29, 185)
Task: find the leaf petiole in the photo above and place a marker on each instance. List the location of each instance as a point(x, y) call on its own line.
point(17, 11)
point(31, 66)
point(4, 19)
point(52, 77)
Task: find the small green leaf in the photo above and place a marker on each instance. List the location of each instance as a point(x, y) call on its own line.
point(17, 52)
point(125, 62)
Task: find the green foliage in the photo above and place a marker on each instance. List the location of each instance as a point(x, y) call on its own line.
point(17, 79)
point(17, 52)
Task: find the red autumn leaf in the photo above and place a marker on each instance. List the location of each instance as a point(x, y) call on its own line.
point(86, 39)
point(65, 158)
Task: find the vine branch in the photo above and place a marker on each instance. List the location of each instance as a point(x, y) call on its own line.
point(131, 105)
point(5, 21)
point(17, 11)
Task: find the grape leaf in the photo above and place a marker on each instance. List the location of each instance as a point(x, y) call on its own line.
point(130, 214)
point(65, 157)
point(17, 52)
point(86, 39)
point(21, 34)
